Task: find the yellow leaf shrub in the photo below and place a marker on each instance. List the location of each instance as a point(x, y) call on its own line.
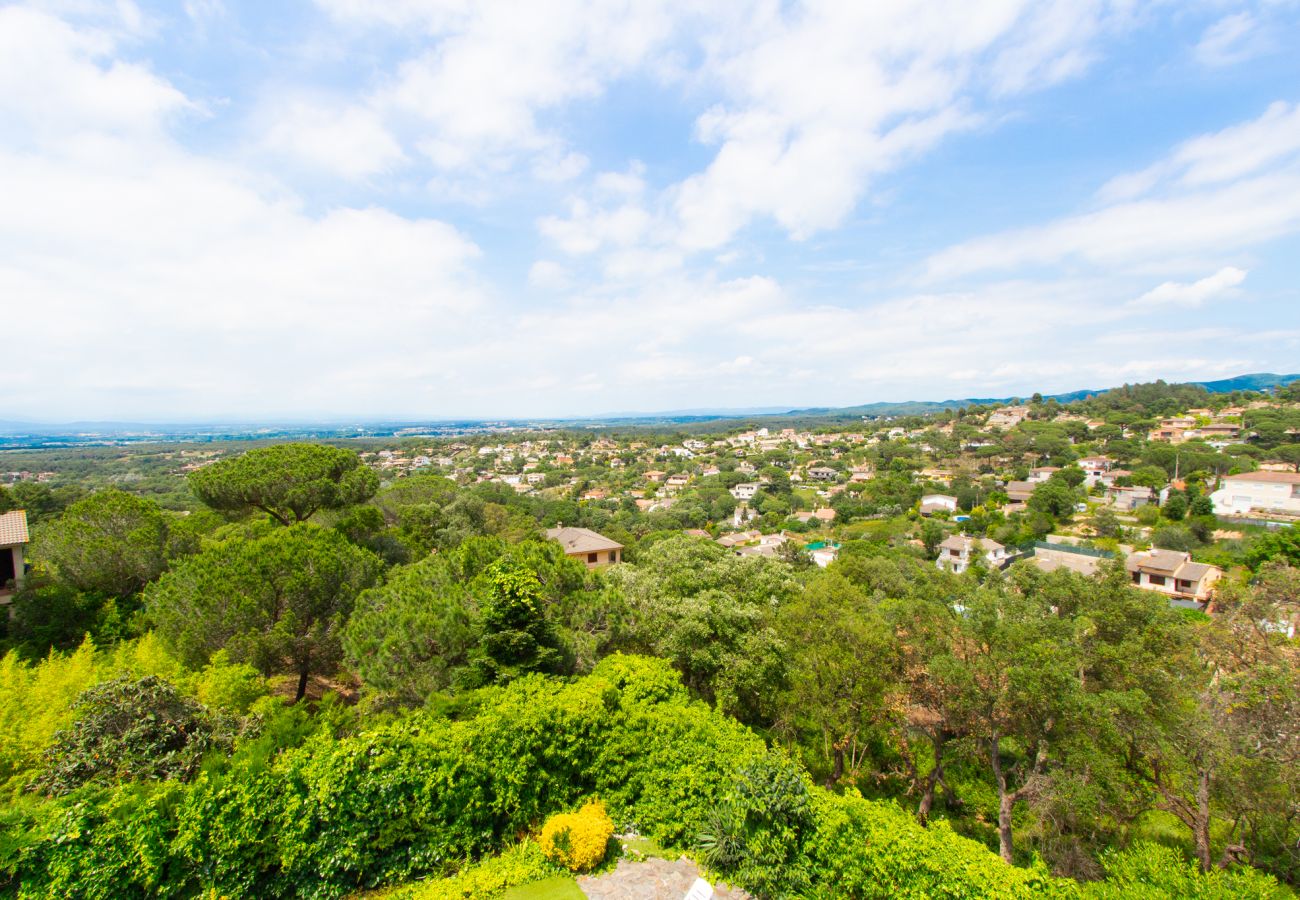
point(577, 840)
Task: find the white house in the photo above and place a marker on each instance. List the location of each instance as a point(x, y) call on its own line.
point(1266, 492)
point(746, 491)
point(958, 551)
point(933, 503)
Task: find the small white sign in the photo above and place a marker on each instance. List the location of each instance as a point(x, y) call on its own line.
point(700, 890)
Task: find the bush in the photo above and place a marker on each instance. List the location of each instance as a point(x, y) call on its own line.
point(132, 730)
point(1149, 871)
point(578, 840)
point(523, 863)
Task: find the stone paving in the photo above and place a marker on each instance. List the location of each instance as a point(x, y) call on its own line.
point(653, 879)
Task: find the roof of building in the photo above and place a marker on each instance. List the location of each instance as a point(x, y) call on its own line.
point(1269, 477)
point(13, 528)
point(1170, 563)
point(1166, 561)
point(581, 540)
point(963, 542)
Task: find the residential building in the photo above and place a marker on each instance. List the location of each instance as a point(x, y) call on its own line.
point(1020, 491)
point(1130, 498)
point(933, 503)
point(746, 490)
point(1173, 573)
point(1043, 473)
point(1008, 416)
point(959, 551)
point(13, 541)
point(587, 546)
point(823, 473)
point(1259, 492)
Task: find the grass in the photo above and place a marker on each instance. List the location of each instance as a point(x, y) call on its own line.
point(559, 887)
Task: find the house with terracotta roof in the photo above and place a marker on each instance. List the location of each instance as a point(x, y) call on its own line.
point(1173, 573)
point(13, 541)
point(1263, 492)
point(587, 546)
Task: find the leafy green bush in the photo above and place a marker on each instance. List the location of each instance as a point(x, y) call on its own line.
point(132, 730)
point(1149, 871)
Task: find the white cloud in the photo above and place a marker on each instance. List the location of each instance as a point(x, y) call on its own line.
point(1174, 293)
point(1212, 196)
point(549, 275)
point(57, 82)
point(350, 141)
point(1230, 40)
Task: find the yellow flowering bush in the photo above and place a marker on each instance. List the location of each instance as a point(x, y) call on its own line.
point(577, 841)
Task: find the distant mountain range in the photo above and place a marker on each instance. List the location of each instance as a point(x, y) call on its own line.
point(18, 435)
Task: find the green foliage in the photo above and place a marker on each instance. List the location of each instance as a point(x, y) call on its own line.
point(112, 543)
point(1053, 497)
point(277, 602)
point(524, 863)
point(1280, 546)
point(517, 635)
point(132, 730)
point(757, 832)
point(407, 638)
point(330, 816)
point(711, 614)
point(289, 482)
point(1151, 872)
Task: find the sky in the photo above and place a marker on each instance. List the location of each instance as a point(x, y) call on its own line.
point(417, 209)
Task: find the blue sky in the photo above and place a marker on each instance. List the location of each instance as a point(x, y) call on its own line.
point(439, 208)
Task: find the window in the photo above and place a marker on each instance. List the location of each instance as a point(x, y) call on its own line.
point(613, 556)
point(1158, 580)
point(1137, 577)
point(591, 557)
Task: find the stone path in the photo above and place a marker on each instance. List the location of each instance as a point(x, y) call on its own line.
point(653, 879)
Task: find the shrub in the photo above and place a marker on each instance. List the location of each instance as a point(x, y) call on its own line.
point(524, 863)
point(132, 730)
point(1150, 871)
point(578, 840)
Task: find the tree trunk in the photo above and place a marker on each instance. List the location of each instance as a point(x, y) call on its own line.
point(837, 770)
point(931, 783)
point(302, 684)
point(1006, 800)
point(1201, 827)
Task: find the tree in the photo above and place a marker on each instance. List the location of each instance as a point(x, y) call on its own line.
point(842, 668)
point(1228, 741)
point(409, 637)
point(711, 614)
point(1288, 453)
point(1175, 507)
point(1012, 670)
point(288, 482)
point(518, 636)
point(278, 602)
point(932, 535)
point(1281, 546)
point(111, 543)
point(130, 730)
point(1054, 498)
